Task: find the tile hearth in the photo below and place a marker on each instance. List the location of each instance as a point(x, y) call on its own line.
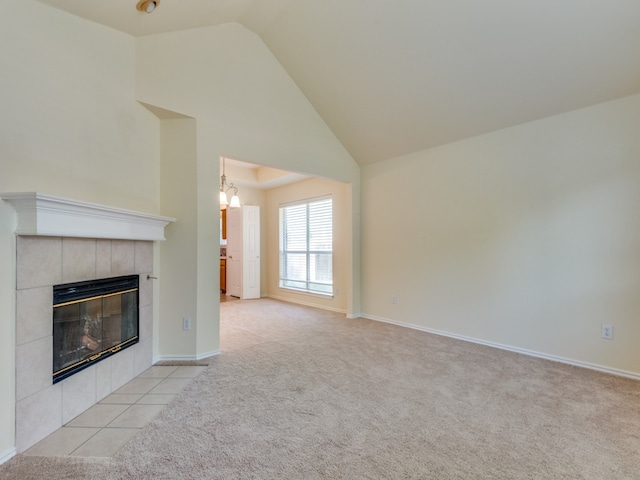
point(105, 428)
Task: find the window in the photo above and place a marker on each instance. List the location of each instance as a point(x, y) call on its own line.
point(306, 246)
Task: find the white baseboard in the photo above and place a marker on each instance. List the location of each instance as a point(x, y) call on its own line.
point(7, 455)
point(308, 304)
point(184, 358)
point(212, 353)
point(523, 351)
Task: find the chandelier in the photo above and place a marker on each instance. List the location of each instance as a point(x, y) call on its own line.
point(226, 187)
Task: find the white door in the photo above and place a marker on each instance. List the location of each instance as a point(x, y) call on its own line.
point(251, 251)
point(234, 252)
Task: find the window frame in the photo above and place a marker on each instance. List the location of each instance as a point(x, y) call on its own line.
point(282, 252)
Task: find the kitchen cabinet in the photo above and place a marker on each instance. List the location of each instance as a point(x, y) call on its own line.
point(223, 275)
point(223, 224)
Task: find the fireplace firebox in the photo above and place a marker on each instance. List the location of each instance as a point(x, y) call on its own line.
point(93, 320)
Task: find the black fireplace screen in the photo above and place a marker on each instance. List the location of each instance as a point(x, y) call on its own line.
point(91, 321)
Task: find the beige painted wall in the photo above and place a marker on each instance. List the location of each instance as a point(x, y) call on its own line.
point(307, 189)
point(246, 104)
point(178, 255)
point(526, 237)
point(69, 126)
point(246, 107)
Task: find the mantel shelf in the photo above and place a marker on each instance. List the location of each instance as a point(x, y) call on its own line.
point(47, 215)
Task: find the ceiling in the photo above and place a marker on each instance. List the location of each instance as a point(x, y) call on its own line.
point(243, 174)
point(392, 77)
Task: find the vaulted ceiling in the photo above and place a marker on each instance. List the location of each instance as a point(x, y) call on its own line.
point(392, 77)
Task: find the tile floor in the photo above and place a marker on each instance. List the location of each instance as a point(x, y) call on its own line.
point(105, 428)
point(227, 298)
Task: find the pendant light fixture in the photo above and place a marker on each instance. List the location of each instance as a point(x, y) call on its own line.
point(225, 187)
point(147, 6)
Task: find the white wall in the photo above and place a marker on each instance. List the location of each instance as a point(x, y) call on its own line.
point(307, 189)
point(246, 107)
point(69, 126)
point(526, 236)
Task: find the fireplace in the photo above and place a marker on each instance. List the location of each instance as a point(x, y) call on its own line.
point(92, 320)
point(59, 241)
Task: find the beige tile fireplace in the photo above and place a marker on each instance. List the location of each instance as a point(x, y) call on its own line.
point(46, 261)
point(54, 247)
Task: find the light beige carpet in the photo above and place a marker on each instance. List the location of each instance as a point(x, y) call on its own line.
point(299, 393)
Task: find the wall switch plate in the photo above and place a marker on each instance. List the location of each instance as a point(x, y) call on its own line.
point(607, 331)
point(394, 299)
point(186, 323)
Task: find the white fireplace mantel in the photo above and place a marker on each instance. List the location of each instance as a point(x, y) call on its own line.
point(47, 215)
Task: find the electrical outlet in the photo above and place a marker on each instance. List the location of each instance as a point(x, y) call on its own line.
point(607, 331)
point(186, 323)
point(394, 299)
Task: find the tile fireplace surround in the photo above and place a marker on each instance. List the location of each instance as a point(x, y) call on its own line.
point(61, 241)
point(42, 262)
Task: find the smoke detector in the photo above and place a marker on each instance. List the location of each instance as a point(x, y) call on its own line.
point(147, 6)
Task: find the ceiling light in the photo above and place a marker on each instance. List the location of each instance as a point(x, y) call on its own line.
point(225, 187)
point(147, 6)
